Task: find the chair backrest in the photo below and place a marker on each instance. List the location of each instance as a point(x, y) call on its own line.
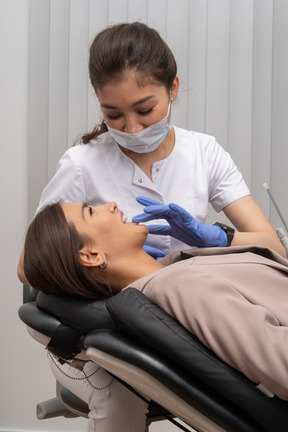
point(136, 315)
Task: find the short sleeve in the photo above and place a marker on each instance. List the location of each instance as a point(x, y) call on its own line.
point(226, 183)
point(67, 184)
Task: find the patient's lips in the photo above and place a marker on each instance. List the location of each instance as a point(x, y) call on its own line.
point(124, 219)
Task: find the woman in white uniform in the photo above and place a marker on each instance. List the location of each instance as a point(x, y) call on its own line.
point(136, 152)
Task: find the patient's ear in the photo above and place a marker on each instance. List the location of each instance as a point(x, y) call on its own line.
point(91, 259)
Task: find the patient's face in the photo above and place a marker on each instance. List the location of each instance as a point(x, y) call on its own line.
point(105, 226)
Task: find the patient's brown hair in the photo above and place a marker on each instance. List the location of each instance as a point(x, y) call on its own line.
point(51, 258)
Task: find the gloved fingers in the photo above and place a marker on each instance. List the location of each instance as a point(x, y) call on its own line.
point(160, 229)
point(160, 211)
point(147, 201)
point(143, 217)
point(182, 214)
point(154, 252)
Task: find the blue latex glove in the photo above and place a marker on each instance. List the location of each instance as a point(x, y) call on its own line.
point(154, 252)
point(182, 225)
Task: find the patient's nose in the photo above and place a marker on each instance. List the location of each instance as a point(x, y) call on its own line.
point(109, 207)
point(112, 206)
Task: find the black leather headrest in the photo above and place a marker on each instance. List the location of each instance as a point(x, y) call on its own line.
point(38, 320)
point(29, 294)
point(82, 315)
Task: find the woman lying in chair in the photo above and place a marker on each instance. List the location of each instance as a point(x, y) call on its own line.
point(235, 300)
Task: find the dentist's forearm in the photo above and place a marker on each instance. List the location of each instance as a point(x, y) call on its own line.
point(261, 238)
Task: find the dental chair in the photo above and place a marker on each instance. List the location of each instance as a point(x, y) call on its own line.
point(67, 343)
point(155, 357)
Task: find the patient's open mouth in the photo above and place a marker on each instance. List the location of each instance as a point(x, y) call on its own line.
point(123, 217)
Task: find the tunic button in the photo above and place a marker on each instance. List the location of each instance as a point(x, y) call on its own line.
point(140, 180)
point(157, 169)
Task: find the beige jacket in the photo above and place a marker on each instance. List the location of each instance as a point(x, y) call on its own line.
point(235, 300)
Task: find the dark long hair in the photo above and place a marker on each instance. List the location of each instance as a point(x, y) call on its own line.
point(51, 258)
point(129, 47)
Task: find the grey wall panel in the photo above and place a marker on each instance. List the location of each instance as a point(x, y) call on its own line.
point(38, 101)
point(78, 79)
point(240, 85)
point(97, 21)
point(197, 57)
point(279, 151)
point(262, 101)
point(217, 73)
point(157, 15)
point(137, 10)
point(177, 37)
point(58, 82)
point(233, 65)
point(118, 11)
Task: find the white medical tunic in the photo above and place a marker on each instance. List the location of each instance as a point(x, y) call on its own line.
point(198, 171)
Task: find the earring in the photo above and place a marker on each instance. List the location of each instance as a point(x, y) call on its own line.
point(104, 266)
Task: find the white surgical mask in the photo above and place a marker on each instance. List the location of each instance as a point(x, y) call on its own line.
point(145, 141)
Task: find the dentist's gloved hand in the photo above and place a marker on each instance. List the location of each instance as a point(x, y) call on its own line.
point(182, 225)
point(154, 252)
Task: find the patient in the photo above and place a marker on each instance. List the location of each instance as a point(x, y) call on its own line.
point(235, 300)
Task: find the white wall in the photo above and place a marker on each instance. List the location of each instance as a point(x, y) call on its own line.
point(24, 375)
point(233, 64)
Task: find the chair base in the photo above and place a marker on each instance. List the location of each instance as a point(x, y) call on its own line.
point(52, 408)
